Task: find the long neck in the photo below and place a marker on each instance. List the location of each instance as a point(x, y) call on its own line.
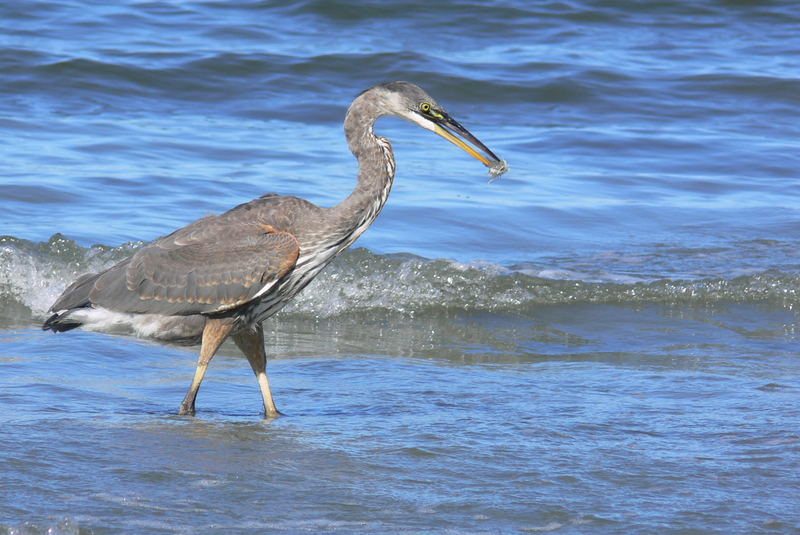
point(375, 169)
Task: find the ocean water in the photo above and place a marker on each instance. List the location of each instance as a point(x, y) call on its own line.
point(603, 341)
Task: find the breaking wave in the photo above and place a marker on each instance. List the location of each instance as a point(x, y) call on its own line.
point(32, 276)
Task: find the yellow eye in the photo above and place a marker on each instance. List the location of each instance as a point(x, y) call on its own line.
point(425, 107)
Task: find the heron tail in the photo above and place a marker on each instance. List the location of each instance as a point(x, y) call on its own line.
point(60, 322)
point(75, 297)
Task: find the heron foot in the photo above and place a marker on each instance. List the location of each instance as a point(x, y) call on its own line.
point(273, 414)
point(186, 409)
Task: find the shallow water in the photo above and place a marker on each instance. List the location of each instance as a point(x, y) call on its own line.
point(602, 341)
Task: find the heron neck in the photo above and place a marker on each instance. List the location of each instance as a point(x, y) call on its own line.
point(375, 171)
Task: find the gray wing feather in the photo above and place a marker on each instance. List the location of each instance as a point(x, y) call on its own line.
point(214, 264)
point(166, 278)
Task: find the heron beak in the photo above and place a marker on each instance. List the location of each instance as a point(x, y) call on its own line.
point(452, 131)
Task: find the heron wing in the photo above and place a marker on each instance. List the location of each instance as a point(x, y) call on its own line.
point(212, 265)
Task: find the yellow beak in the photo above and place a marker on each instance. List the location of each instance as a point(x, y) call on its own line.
point(459, 143)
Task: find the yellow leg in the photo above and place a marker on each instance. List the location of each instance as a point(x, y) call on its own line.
point(214, 333)
point(251, 342)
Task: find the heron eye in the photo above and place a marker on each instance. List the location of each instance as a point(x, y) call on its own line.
point(425, 107)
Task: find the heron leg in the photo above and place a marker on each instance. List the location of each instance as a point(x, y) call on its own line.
point(214, 333)
point(251, 342)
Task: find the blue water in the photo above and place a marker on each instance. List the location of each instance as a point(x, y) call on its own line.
point(602, 341)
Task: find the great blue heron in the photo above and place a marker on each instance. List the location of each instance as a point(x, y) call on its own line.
point(223, 275)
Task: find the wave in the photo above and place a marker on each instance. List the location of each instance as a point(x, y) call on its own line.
point(33, 274)
point(130, 80)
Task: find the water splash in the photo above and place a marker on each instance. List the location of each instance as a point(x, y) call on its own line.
point(32, 276)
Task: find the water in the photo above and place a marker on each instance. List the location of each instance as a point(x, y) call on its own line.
point(602, 341)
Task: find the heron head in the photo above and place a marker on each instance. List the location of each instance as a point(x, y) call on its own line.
point(410, 102)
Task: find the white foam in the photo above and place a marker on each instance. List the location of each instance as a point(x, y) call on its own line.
point(36, 278)
point(360, 281)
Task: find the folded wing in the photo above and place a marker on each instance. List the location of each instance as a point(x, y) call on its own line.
point(209, 266)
